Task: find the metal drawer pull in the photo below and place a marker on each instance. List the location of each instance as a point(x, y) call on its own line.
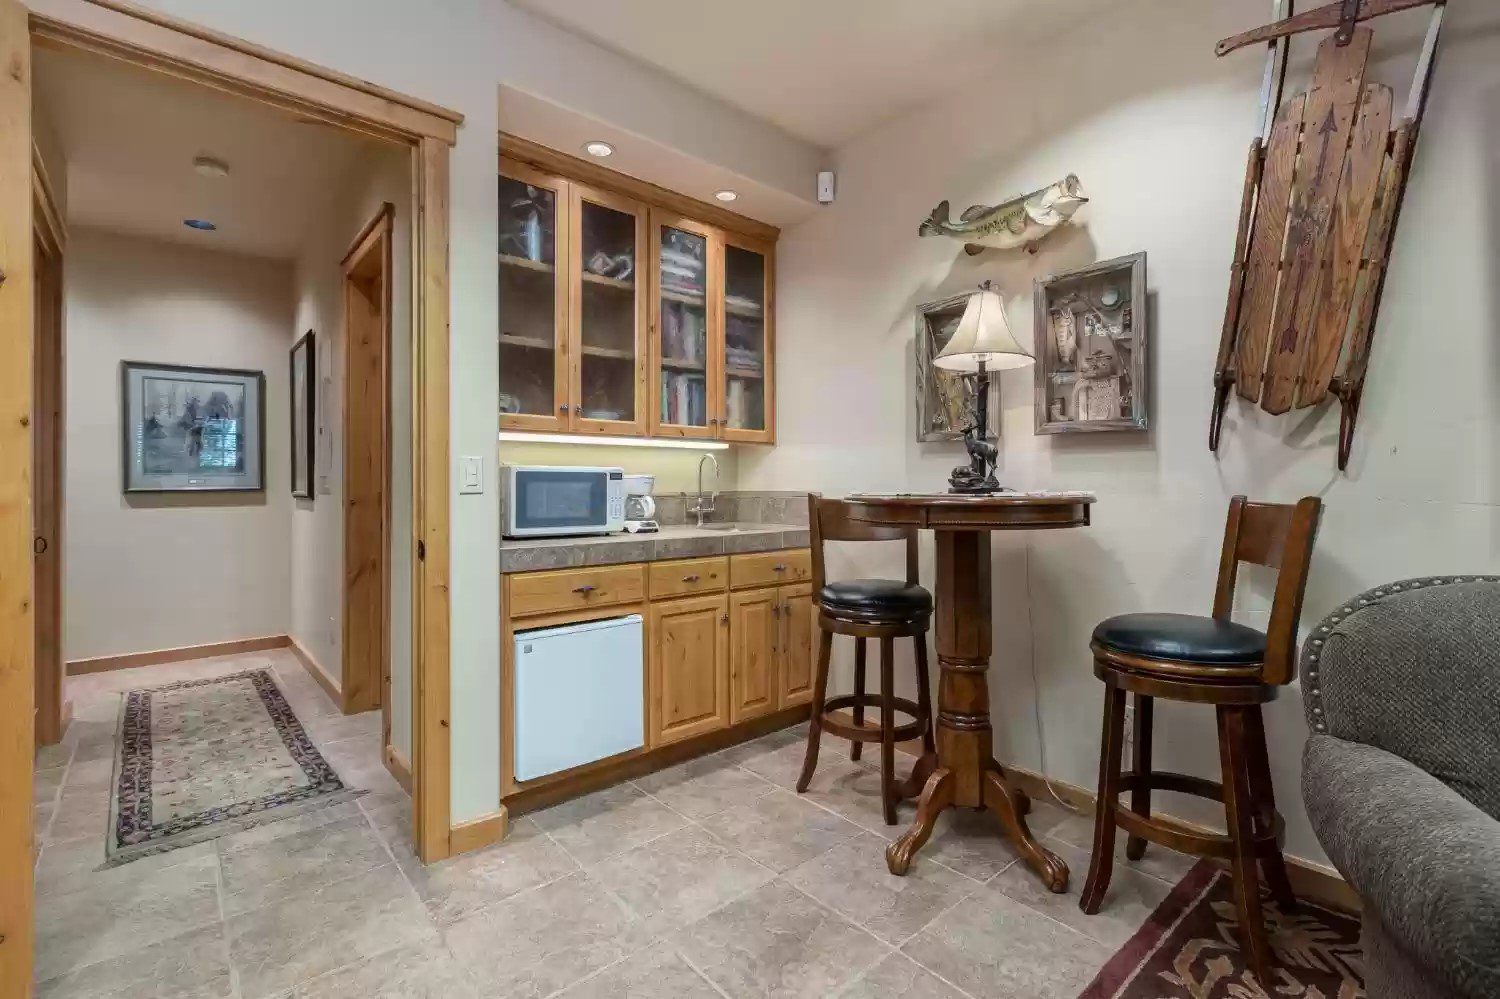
point(778, 568)
point(586, 589)
point(690, 579)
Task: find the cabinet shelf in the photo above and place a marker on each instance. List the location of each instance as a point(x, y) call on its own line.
point(530, 342)
point(608, 282)
point(667, 295)
point(745, 373)
point(744, 311)
point(677, 364)
point(522, 263)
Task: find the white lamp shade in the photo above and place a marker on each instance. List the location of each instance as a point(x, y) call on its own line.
point(983, 334)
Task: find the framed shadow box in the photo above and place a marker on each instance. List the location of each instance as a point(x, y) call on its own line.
point(945, 399)
point(1091, 348)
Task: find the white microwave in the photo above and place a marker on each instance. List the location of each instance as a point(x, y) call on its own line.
point(538, 501)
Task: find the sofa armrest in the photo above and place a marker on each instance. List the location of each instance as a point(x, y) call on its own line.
point(1420, 854)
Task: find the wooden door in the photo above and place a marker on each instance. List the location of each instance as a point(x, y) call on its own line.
point(754, 635)
point(367, 288)
point(746, 302)
point(686, 329)
point(608, 313)
point(799, 624)
point(535, 250)
point(17, 638)
point(688, 652)
point(47, 445)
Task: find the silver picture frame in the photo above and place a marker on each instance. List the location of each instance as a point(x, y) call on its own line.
point(191, 429)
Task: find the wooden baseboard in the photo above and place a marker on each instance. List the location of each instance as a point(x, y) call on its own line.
point(1309, 880)
point(131, 660)
point(398, 767)
point(600, 775)
point(478, 833)
point(316, 670)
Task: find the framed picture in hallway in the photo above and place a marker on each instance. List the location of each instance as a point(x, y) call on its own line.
point(186, 429)
point(304, 405)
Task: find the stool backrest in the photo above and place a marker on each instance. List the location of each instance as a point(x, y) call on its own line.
point(1279, 536)
point(829, 520)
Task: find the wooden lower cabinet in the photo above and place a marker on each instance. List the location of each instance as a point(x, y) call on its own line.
point(770, 650)
point(687, 651)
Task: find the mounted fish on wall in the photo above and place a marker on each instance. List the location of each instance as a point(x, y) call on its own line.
point(1019, 222)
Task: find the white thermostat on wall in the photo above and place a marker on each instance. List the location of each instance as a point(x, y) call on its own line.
point(825, 187)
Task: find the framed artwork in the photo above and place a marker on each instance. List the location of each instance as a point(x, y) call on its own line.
point(187, 429)
point(304, 410)
point(1091, 348)
point(945, 399)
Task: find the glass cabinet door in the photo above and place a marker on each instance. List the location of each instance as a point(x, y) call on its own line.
point(686, 329)
point(609, 313)
point(746, 394)
point(533, 299)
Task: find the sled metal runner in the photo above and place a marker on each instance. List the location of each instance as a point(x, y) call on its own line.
point(1322, 196)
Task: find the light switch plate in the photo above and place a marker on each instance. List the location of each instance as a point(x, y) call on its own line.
point(471, 474)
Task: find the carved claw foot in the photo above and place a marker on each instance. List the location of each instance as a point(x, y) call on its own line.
point(936, 796)
point(1003, 803)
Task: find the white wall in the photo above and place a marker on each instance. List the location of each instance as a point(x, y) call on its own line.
point(1134, 101)
point(316, 544)
point(151, 572)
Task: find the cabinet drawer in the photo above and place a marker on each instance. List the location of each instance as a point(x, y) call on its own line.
point(770, 568)
point(570, 589)
point(687, 576)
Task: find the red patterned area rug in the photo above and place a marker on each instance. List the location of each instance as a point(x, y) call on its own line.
point(1189, 949)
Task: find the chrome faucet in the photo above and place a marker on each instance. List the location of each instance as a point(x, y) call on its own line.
point(702, 505)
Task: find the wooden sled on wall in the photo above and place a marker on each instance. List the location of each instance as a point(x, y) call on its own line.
point(1322, 196)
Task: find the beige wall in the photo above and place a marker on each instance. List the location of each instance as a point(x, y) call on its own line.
point(152, 572)
point(316, 541)
point(1135, 103)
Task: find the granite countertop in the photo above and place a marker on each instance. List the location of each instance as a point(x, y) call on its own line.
point(672, 541)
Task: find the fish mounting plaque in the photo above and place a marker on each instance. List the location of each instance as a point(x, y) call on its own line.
point(1323, 191)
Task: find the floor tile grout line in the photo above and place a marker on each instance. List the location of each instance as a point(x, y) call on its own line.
point(697, 970)
point(234, 972)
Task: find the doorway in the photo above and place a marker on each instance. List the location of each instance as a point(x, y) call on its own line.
point(186, 52)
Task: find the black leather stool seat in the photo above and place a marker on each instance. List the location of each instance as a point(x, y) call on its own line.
point(876, 599)
point(1183, 638)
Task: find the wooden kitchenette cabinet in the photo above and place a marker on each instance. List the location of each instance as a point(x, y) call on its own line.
point(728, 655)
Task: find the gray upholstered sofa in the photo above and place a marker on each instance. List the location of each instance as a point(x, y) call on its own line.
point(1401, 776)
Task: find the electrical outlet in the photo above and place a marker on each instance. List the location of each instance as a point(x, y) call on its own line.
point(1129, 733)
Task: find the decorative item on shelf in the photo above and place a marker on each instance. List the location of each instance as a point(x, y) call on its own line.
point(620, 266)
point(1322, 194)
point(944, 399)
point(304, 407)
point(187, 429)
point(982, 343)
point(1019, 222)
point(1091, 368)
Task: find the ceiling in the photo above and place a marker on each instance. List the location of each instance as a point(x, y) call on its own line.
point(130, 137)
point(824, 71)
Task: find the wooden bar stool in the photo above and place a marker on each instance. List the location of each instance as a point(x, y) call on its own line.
point(885, 609)
point(1208, 660)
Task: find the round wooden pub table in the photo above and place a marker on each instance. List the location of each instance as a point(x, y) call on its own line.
point(963, 772)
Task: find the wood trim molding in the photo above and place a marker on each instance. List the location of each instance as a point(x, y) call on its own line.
point(550, 160)
point(379, 225)
point(157, 657)
point(398, 767)
point(156, 41)
point(478, 833)
point(317, 672)
point(48, 223)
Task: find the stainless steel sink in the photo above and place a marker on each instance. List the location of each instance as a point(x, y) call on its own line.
point(726, 527)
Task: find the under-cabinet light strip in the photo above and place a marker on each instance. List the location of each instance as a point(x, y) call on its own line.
point(689, 445)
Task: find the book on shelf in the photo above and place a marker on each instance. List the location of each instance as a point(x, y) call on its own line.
point(684, 399)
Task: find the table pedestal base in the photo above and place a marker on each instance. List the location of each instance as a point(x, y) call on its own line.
point(963, 772)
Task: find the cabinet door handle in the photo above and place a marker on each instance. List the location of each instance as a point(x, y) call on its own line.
point(724, 620)
point(778, 568)
point(563, 408)
point(690, 579)
point(585, 590)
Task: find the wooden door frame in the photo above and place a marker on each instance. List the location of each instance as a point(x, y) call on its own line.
point(52, 709)
point(153, 41)
point(365, 685)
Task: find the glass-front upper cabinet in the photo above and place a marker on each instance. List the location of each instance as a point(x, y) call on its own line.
point(609, 313)
point(686, 354)
point(746, 392)
point(533, 299)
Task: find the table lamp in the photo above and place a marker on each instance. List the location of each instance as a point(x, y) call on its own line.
point(982, 343)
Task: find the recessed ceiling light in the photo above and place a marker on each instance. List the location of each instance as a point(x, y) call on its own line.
point(597, 148)
point(202, 225)
point(207, 166)
point(725, 195)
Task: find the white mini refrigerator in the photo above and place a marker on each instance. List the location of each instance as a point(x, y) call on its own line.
point(578, 694)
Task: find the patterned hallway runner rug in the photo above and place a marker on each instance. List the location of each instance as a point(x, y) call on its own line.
point(1189, 949)
point(202, 759)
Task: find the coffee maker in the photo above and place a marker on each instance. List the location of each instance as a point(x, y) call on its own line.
point(640, 508)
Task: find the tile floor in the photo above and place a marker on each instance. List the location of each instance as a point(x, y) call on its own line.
point(711, 879)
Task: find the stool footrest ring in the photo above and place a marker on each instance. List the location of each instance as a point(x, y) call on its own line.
point(1174, 835)
point(869, 731)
